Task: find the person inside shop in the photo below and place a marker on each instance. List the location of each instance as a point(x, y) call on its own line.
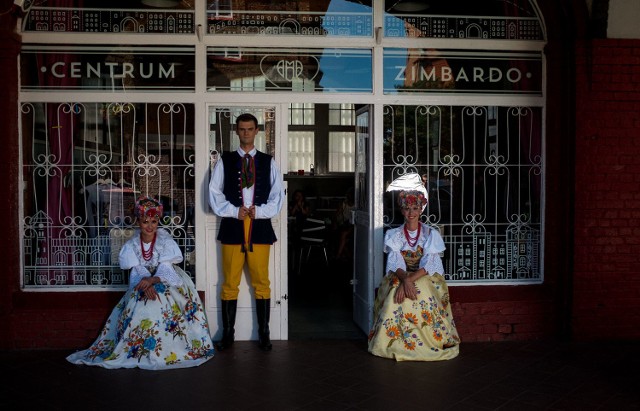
point(298, 210)
point(342, 225)
point(412, 312)
point(160, 322)
point(246, 191)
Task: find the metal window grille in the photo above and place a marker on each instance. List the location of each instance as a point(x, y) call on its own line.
point(483, 167)
point(85, 166)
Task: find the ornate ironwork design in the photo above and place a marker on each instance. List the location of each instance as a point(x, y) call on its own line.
point(88, 164)
point(482, 166)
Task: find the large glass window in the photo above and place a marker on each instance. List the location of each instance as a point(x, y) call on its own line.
point(84, 166)
point(300, 70)
point(84, 163)
point(107, 68)
point(463, 19)
point(462, 71)
point(482, 167)
point(321, 137)
point(294, 17)
point(118, 16)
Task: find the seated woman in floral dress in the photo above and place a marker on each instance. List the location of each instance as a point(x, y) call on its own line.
point(412, 312)
point(160, 322)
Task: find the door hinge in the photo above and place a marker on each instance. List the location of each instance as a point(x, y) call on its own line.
point(353, 282)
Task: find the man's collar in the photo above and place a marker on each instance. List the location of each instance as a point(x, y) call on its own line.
point(242, 152)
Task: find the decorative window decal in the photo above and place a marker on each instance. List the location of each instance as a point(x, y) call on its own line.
point(276, 69)
point(462, 71)
point(290, 18)
point(111, 68)
point(86, 17)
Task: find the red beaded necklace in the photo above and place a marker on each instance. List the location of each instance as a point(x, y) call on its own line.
point(149, 253)
point(412, 240)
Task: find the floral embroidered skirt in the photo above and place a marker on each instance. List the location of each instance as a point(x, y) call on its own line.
point(171, 332)
point(416, 330)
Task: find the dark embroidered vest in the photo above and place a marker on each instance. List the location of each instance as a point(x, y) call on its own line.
point(232, 229)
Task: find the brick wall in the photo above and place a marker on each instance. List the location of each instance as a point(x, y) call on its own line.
point(606, 298)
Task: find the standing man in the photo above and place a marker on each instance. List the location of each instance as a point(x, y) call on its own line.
point(246, 190)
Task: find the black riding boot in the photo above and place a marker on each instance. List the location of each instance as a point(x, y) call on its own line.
point(228, 323)
point(262, 310)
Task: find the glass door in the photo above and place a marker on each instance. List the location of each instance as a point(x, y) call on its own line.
point(365, 247)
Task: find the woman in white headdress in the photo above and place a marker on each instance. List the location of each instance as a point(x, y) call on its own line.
point(412, 312)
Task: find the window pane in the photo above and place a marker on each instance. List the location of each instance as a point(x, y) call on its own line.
point(302, 114)
point(462, 71)
point(280, 69)
point(342, 115)
point(86, 16)
point(294, 17)
point(342, 151)
point(301, 150)
point(110, 68)
point(483, 169)
point(85, 166)
point(463, 19)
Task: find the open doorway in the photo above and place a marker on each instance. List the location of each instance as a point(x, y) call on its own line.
point(320, 178)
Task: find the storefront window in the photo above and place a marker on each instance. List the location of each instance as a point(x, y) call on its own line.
point(274, 69)
point(118, 16)
point(285, 18)
point(84, 166)
point(482, 167)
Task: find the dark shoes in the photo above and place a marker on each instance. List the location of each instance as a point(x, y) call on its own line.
point(229, 308)
point(263, 307)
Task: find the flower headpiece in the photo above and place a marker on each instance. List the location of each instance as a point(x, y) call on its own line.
point(409, 198)
point(411, 190)
point(148, 207)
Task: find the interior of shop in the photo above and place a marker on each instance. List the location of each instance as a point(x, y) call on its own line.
point(320, 236)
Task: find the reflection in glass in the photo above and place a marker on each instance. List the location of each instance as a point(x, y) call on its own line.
point(462, 71)
point(283, 69)
point(85, 166)
point(463, 19)
point(111, 68)
point(297, 17)
point(482, 167)
point(119, 16)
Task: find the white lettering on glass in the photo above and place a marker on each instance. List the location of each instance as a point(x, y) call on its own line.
point(466, 75)
point(114, 70)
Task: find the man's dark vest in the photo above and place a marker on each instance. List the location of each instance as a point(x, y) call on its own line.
point(232, 229)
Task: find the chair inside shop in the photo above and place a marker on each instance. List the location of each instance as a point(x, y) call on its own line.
point(313, 236)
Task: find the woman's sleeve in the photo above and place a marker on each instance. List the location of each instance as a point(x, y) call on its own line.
point(170, 251)
point(392, 246)
point(127, 257)
point(395, 261)
point(167, 274)
point(431, 261)
point(137, 273)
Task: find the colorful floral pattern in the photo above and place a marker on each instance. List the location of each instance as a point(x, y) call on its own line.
point(421, 329)
point(169, 332)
